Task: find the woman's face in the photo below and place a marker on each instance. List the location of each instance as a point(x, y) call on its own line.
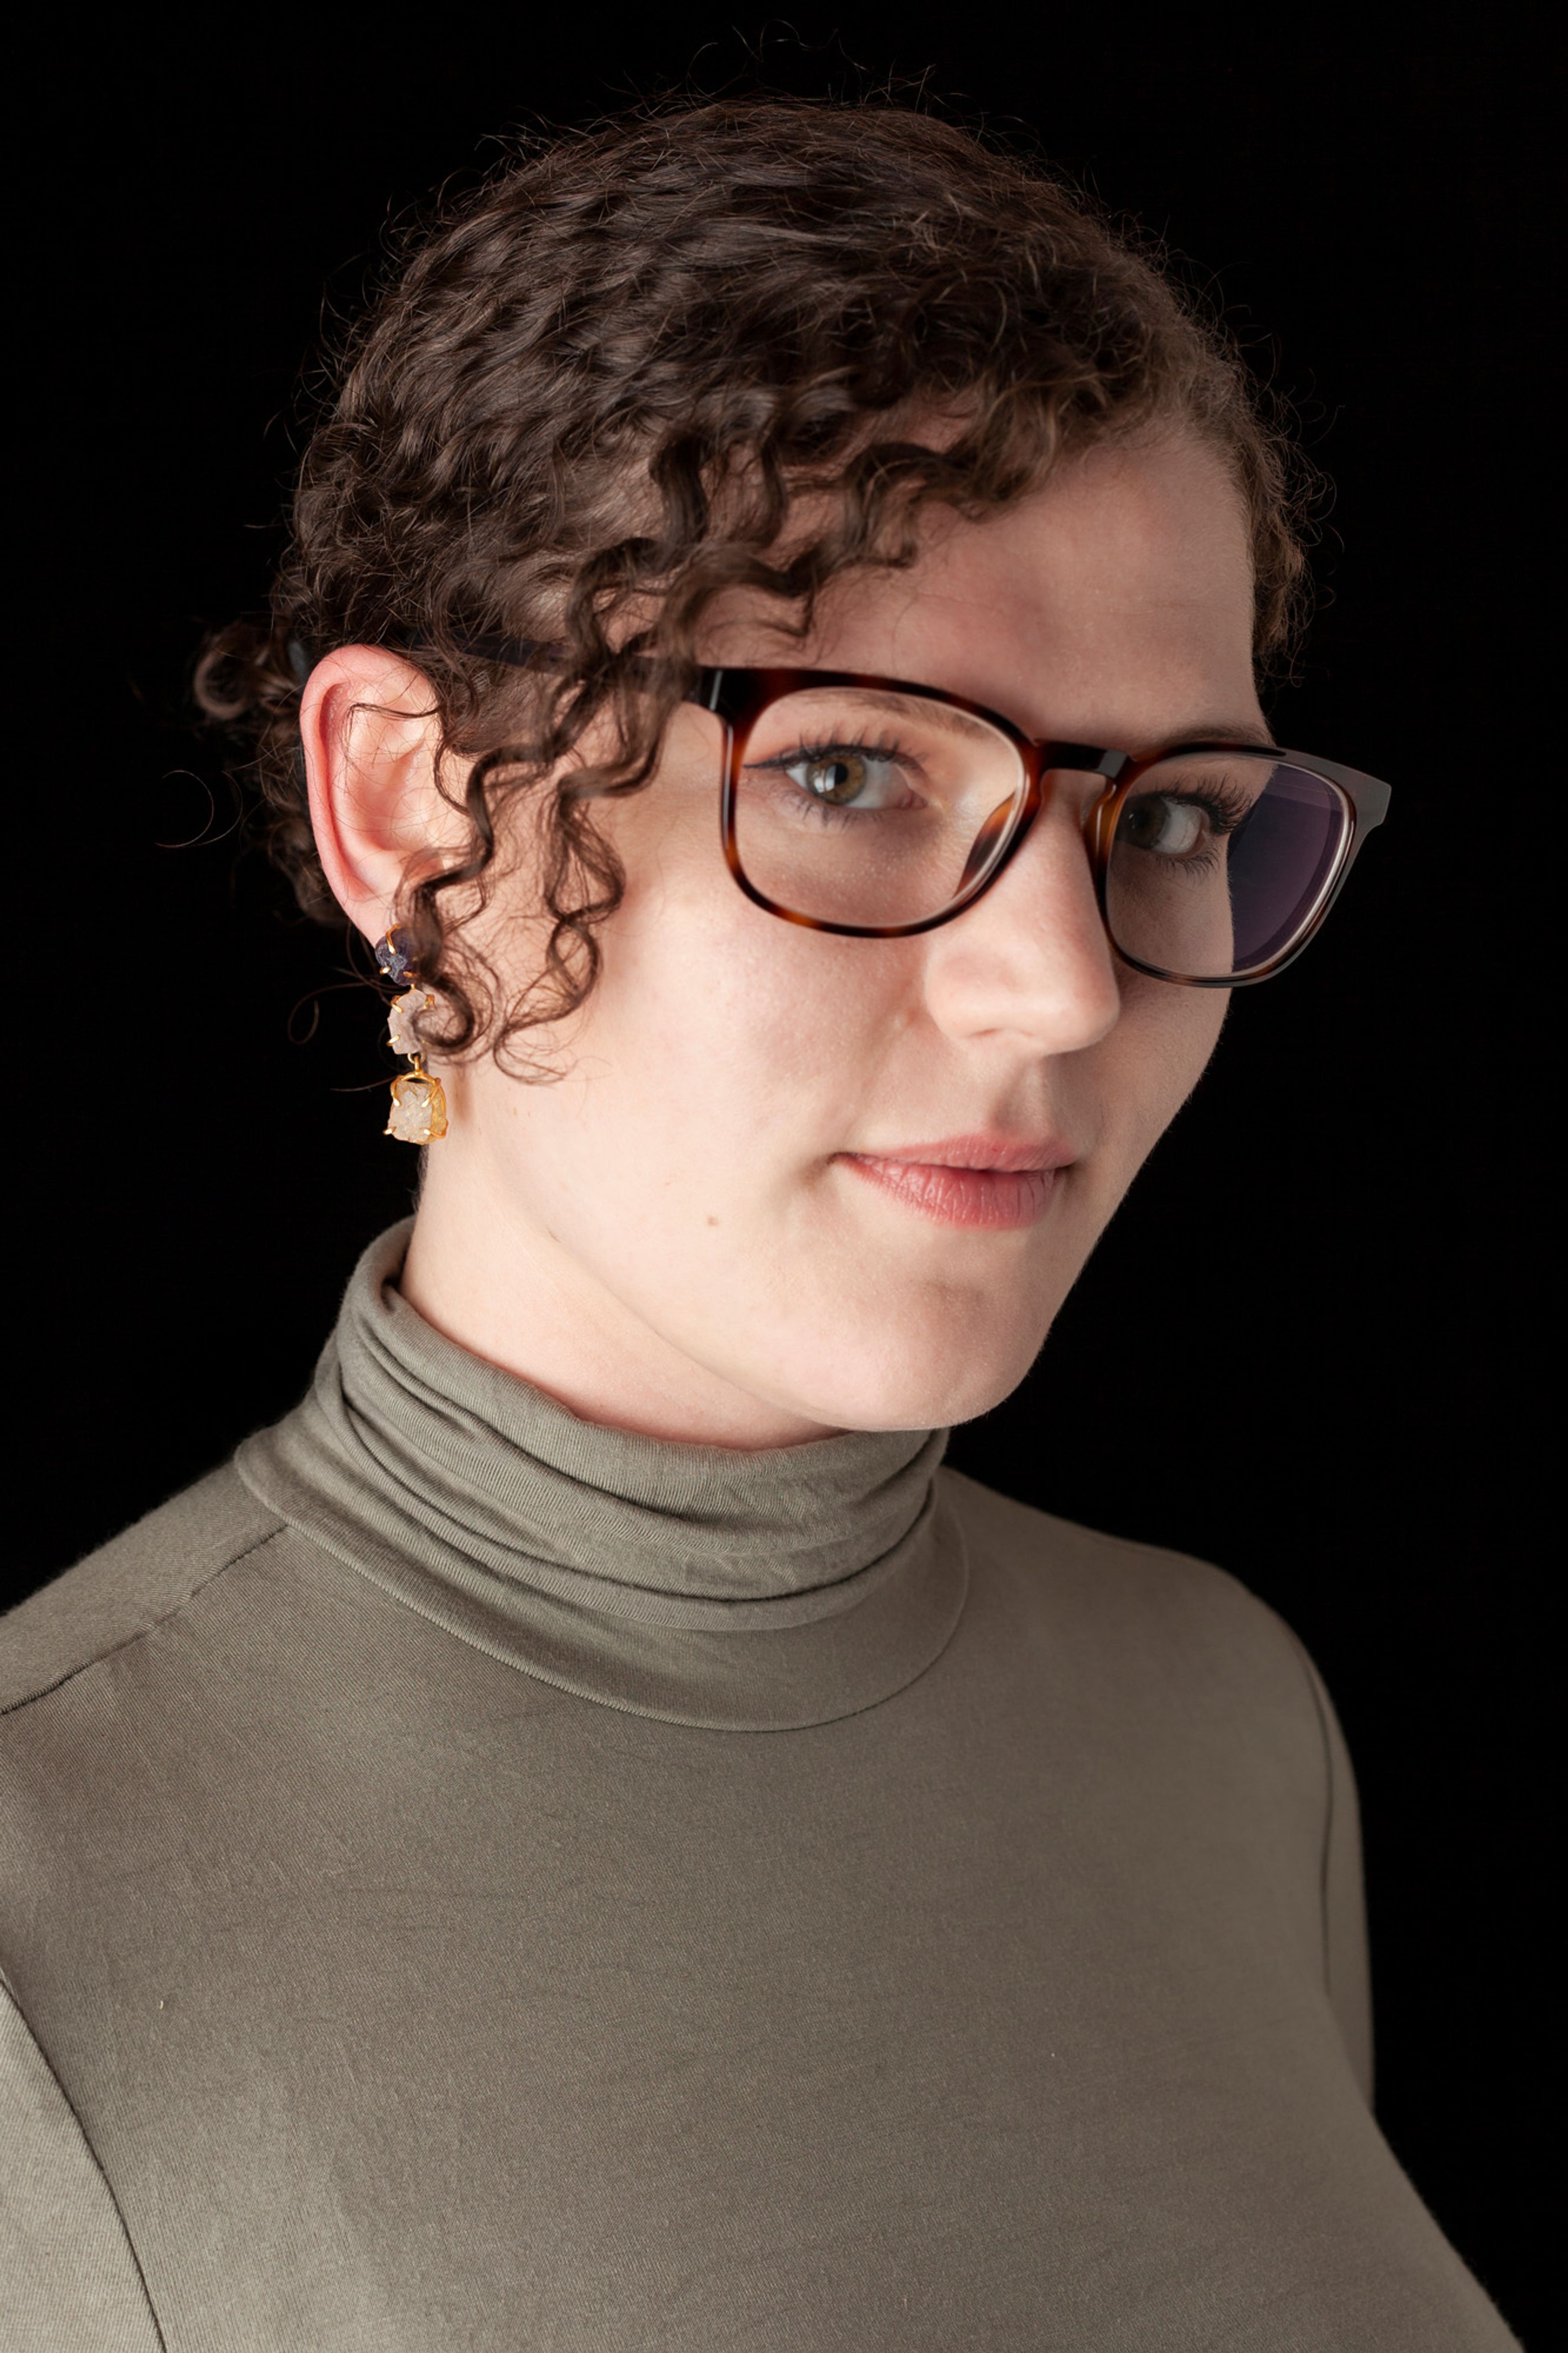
point(792, 1182)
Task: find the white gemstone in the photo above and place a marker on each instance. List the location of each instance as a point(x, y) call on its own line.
point(418, 1113)
point(401, 1030)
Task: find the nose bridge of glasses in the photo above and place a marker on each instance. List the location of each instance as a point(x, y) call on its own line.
point(1034, 837)
point(1084, 760)
point(1088, 760)
point(1005, 829)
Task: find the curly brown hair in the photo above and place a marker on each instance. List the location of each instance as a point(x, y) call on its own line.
point(594, 392)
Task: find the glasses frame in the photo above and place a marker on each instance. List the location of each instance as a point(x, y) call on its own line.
point(738, 698)
point(737, 695)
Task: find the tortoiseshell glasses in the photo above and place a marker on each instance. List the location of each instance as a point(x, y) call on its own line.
point(875, 808)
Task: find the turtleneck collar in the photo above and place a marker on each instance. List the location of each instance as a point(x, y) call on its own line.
point(742, 1591)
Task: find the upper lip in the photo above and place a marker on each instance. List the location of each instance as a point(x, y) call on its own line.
point(978, 1151)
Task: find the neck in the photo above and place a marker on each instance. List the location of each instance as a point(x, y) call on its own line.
point(496, 1281)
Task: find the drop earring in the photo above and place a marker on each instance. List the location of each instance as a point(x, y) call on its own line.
point(418, 1113)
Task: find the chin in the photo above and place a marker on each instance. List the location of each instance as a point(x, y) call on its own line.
point(917, 1380)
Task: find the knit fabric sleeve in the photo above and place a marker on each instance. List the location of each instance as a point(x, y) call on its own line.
point(69, 2280)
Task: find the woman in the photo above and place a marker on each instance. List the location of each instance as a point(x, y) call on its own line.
point(583, 1835)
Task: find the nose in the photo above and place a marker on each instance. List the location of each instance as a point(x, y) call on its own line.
point(1029, 961)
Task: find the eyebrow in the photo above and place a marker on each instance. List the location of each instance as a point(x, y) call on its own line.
point(955, 722)
point(1249, 734)
point(945, 715)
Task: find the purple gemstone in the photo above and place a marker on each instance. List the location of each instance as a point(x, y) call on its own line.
point(390, 956)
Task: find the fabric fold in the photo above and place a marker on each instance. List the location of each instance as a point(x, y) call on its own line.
point(704, 1585)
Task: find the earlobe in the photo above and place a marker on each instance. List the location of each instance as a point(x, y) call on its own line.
point(370, 734)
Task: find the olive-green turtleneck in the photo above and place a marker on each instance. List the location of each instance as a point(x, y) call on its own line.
point(470, 1879)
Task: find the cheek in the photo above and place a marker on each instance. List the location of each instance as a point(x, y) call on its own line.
point(727, 1033)
point(1161, 1047)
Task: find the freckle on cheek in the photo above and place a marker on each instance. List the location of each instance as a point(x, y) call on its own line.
point(712, 1222)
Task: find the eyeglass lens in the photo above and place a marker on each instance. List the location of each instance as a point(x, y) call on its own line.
point(875, 808)
point(1220, 862)
point(862, 805)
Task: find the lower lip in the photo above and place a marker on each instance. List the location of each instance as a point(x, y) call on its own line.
point(1001, 1198)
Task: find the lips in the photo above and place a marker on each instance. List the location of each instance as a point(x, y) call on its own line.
point(968, 1180)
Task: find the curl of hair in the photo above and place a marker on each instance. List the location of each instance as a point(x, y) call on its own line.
point(607, 388)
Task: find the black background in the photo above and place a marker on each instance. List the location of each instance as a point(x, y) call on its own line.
point(1310, 1348)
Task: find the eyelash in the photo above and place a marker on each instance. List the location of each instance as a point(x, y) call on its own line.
point(892, 752)
point(1227, 811)
point(885, 750)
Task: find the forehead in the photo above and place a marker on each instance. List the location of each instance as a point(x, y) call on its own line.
point(1114, 604)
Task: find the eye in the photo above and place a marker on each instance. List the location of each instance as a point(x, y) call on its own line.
point(847, 777)
point(1163, 825)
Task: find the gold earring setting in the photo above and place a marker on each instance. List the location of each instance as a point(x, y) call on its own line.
point(418, 1113)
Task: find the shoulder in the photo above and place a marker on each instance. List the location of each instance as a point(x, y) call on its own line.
point(129, 1585)
point(1189, 1670)
point(1127, 1599)
point(1037, 1546)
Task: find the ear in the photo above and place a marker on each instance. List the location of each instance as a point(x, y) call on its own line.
point(370, 737)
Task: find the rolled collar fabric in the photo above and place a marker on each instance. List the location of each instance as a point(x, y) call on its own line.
point(598, 1560)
